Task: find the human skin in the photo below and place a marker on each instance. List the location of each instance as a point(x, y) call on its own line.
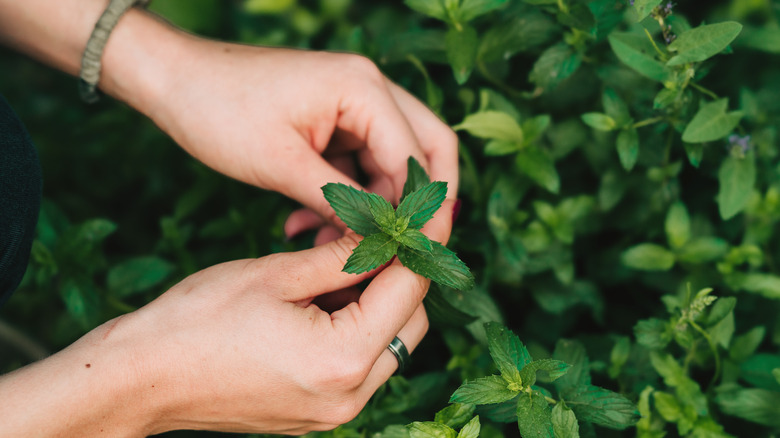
point(230, 348)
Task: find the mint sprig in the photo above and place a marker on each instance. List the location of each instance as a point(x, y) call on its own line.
point(389, 231)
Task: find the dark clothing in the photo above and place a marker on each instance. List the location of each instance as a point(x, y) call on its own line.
point(20, 199)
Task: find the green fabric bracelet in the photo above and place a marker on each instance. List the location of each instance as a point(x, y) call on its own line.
point(90, 61)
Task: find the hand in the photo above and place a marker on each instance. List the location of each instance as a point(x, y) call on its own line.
point(290, 120)
point(244, 346)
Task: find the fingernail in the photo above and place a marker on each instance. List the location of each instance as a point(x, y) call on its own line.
point(456, 210)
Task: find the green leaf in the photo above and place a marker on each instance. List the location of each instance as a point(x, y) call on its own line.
point(416, 177)
point(554, 65)
point(492, 125)
point(711, 122)
point(628, 147)
point(422, 203)
point(603, 407)
point(703, 42)
point(534, 416)
point(496, 148)
point(550, 370)
point(442, 312)
point(430, 429)
point(537, 165)
point(564, 422)
point(506, 349)
point(81, 302)
point(760, 283)
point(578, 16)
point(483, 391)
point(455, 415)
point(637, 52)
point(652, 333)
point(703, 250)
point(758, 370)
point(462, 47)
point(137, 275)
point(677, 225)
point(736, 178)
point(373, 251)
point(644, 7)
point(648, 257)
point(471, 9)
point(440, 265)
point(744, 346)
point(756, 405)
point(432, 8)
point(572, 353)
point(720, 309)
point(471, 429)
point(615, 107)
point(415, 239)
point(667, 405)
point(599, 121)
point(383, 212)
point(268, 6)
point(352, 206)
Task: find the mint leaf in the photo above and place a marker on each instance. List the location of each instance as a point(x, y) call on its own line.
point(415, 177)
point(534, 416)
point(351, 206)
point(422, 203)
point(429, 429)
point(382, 212)
point(552, 369)
point(440, 265)
point(415, 239)
point(703, 42)
point(564, 422)
point(573, 353)
point(508, 352)
point(483, 391)
point(372, 252)
point(454, 415)
point(471, 429)
point(603, 407)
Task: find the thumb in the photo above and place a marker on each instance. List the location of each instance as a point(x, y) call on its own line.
point(312, 272)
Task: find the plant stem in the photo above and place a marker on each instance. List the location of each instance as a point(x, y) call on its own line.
point(703, 90)
point(713, 347)
point(647, 122)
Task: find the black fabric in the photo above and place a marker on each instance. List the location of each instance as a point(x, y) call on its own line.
point(20, 199)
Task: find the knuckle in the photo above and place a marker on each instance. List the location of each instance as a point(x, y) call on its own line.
point(364, 67)
point(344, 412)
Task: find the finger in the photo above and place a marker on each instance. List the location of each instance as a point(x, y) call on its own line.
point(297, 276)
point(304, 182)
point(386, 364)
point(437, 140)
point(337, 300)
point(327, 234)
point(301, 220)
point(375, 119)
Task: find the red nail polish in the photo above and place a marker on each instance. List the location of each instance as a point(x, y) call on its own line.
point(456, 210)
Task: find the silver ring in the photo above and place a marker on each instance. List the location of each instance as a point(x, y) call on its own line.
point(400, 352)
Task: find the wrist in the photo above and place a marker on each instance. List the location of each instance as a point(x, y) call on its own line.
point(140, 60)
point(98, 386)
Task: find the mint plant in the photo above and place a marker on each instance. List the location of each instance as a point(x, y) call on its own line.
point(513, 395)
point(389, 232)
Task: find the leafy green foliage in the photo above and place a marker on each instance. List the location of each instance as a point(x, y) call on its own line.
point(388, 231)
point(553, 208)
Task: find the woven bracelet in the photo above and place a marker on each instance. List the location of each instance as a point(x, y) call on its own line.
point(90, 61)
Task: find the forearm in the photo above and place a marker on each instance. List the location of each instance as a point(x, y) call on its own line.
point(91, 388)
point(137, 59)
